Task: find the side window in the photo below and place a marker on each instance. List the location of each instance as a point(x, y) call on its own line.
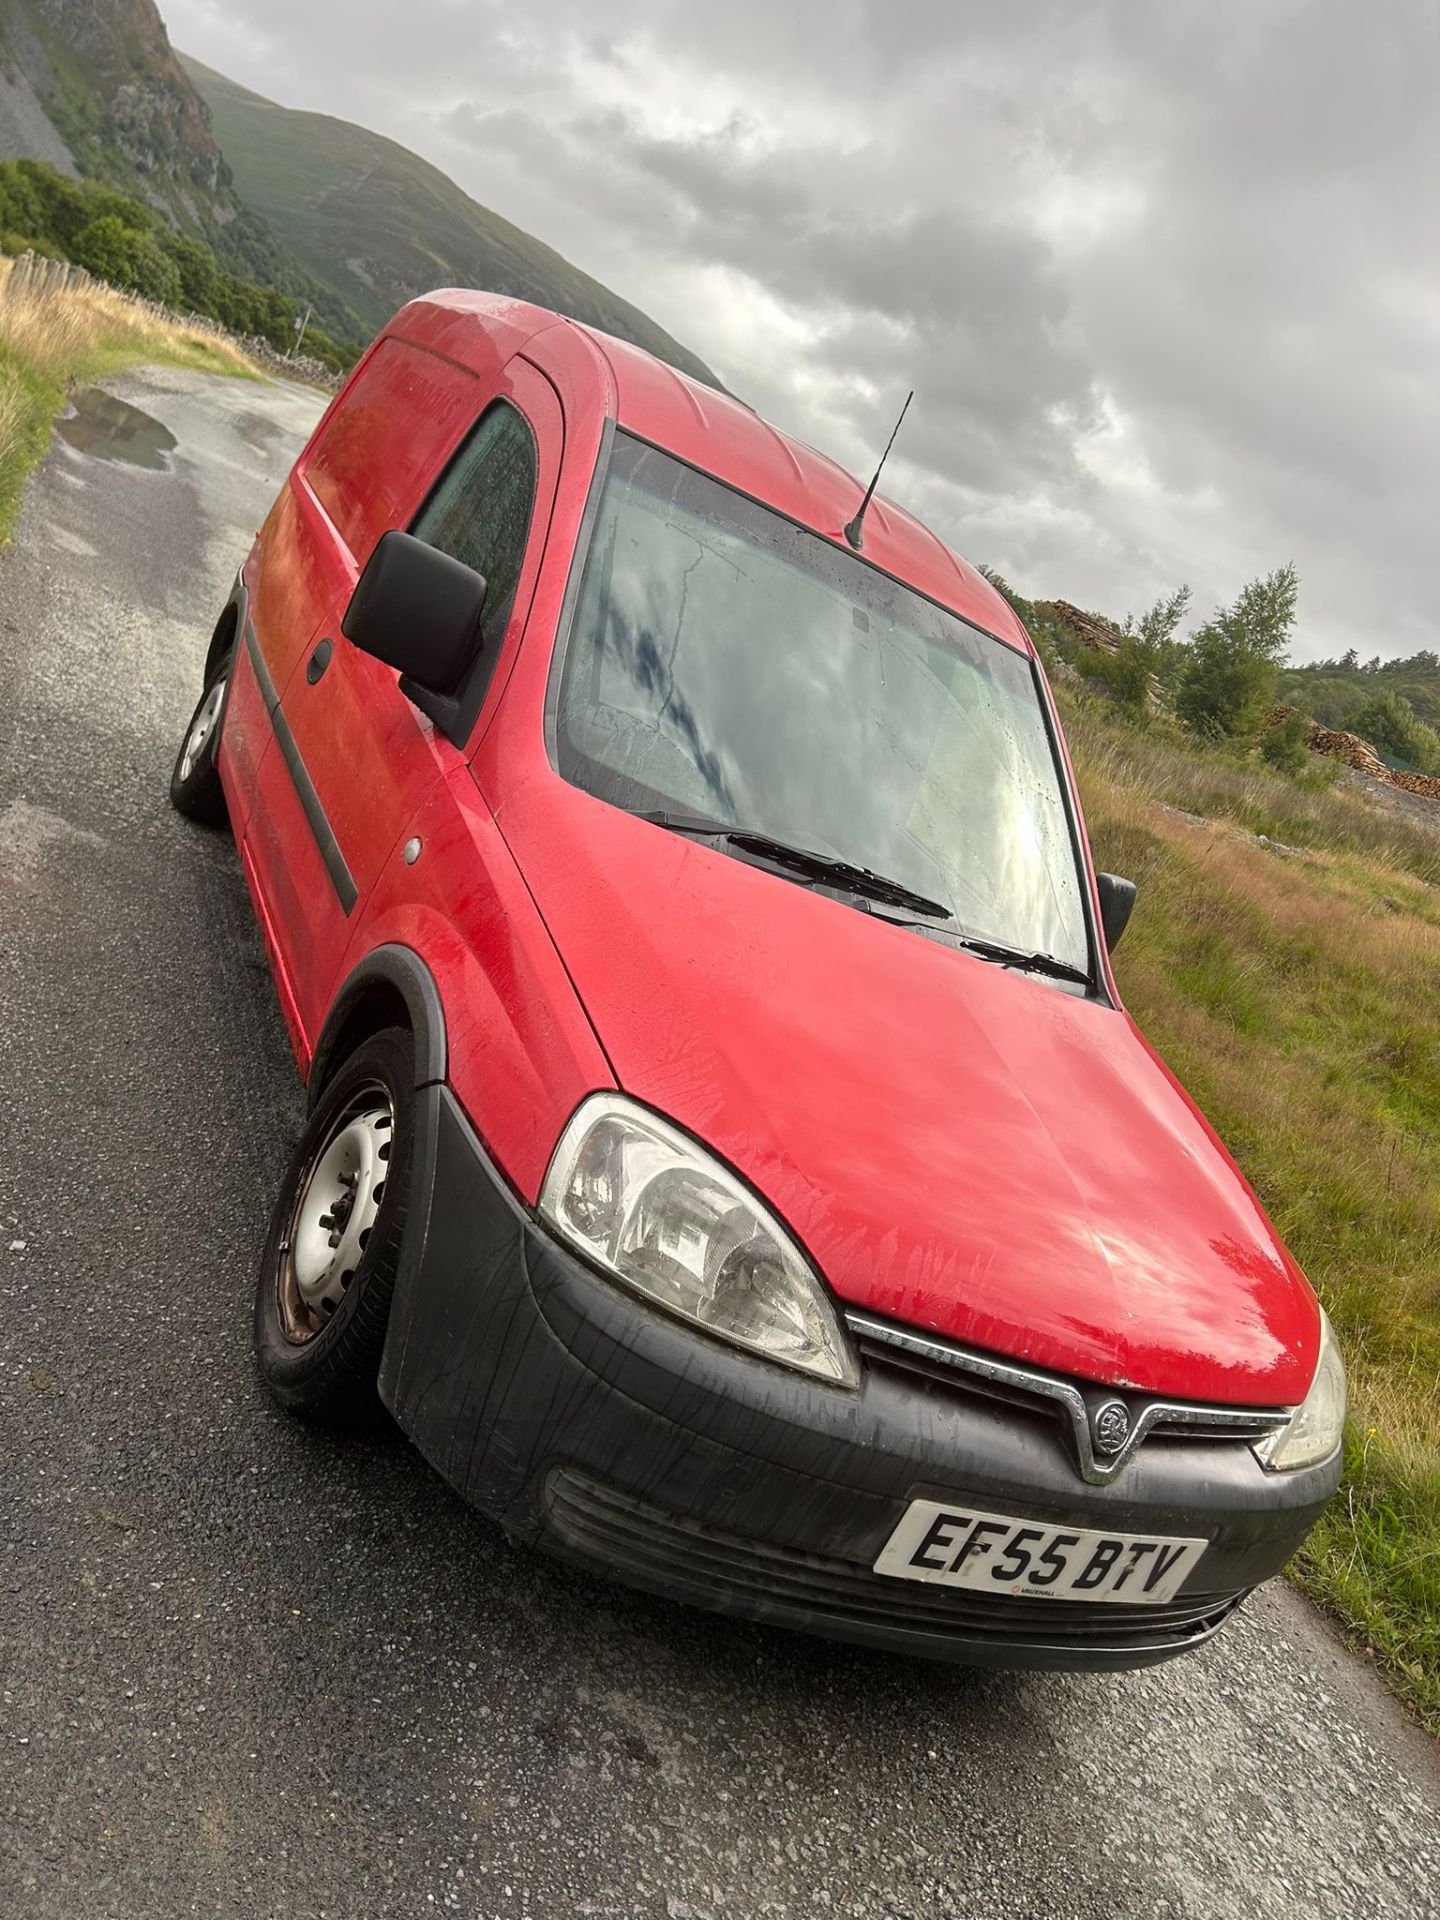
point(399, 418)
point(481, 508)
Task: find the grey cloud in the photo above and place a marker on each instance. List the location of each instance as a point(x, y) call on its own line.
point(940, 297)
point(1213, 225)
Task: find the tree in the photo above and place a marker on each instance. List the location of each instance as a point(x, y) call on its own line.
point(1146, 651)
point(127, 257)
point(199, 277)
point(1387, 720)
point(21, 212)
point(108, 249)
point(64, 205)
point(1018, 604)
point(1228, 677)
point(156, 275)
point(124, 242)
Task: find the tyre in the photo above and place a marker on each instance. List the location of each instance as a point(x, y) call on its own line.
point(322, 1303)
point(195, 788)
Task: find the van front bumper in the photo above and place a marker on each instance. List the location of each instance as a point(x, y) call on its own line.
point(591, 1424)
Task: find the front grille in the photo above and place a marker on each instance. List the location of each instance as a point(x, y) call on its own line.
point(1069, 1406)
point(769, 1581)
point(973, 1386)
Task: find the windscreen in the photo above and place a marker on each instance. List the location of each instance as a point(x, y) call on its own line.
point(727, 663)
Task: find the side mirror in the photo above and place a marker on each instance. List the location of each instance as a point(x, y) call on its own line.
point(1117, 903)
point(419, 611)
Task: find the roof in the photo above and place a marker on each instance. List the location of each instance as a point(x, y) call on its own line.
point(715, 432)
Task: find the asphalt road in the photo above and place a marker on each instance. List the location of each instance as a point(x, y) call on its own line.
point(247, 1671)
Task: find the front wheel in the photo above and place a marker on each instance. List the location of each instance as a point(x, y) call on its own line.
point(195, 788)
point(328, 1271)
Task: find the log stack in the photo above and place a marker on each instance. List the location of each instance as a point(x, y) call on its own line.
point(1360, 755)
point(1088, 628)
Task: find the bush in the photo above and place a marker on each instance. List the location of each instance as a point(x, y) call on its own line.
point(1284, 746)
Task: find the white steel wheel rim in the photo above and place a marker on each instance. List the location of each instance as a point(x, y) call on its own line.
point(201, 727)
point(335, 1211)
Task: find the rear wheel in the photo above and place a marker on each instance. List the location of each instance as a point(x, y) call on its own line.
point(195, 788)
point(328, 1270)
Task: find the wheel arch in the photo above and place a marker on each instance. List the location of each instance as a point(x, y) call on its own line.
point(391, 986)
point(228, 628)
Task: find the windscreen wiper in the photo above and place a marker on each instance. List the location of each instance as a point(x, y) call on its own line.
point(804, 861)
point(861, 880)
point(1021, 961)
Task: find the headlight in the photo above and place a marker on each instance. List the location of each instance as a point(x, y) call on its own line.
point(645, 1203)
point(1318, 1422)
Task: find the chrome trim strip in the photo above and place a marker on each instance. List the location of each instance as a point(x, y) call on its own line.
point(1244, 1422)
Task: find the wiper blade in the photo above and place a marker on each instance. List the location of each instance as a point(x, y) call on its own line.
point(803, 860)
point(823, 866)
point(700, 824)
point(1021, 961)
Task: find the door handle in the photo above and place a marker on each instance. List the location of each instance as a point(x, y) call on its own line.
point(319, 660)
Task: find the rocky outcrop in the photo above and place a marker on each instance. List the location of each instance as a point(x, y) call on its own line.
point(26, 130)
point(111, 93)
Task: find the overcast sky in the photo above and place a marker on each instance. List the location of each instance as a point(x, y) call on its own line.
point(1164, 274)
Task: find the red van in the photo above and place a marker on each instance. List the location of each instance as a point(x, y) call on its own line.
point(728, 1157)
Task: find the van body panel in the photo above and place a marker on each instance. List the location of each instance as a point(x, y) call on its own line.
point(985, 1161)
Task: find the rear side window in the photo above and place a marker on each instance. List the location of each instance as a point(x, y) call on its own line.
point(480, 511)
point(399, 419)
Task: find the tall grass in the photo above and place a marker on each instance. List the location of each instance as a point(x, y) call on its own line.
point(49, 341)
point(1313, 813)
point(1293, 988)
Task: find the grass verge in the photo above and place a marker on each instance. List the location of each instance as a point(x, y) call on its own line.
point(1292, 986)
point(51, 342)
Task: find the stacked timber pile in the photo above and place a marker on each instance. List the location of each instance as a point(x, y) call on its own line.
point(1425, 784)
point(1088, 628)
point(1360, 755)
point(1350, 748)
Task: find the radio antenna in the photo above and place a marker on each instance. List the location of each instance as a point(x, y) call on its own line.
point(854, 533)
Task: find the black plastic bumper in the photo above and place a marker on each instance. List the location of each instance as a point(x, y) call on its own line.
point(586, 1422)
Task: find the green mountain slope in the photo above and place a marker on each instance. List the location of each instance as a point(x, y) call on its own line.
point(378, 225)
point(94, 88)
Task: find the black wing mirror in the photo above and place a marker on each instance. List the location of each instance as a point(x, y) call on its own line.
point(419, 611)
point(1117, 903)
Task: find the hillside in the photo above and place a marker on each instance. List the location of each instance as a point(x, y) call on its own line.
point(378, 225)
point(1335, 690)
point(94, 88)
point(1281, 958)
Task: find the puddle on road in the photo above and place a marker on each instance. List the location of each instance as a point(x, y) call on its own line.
point(112, 429)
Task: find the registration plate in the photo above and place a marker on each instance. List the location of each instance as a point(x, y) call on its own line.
point(958, 1546)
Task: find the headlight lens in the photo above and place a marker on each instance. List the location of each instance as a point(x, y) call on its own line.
point(645, 1203)
point(1318, 1422)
